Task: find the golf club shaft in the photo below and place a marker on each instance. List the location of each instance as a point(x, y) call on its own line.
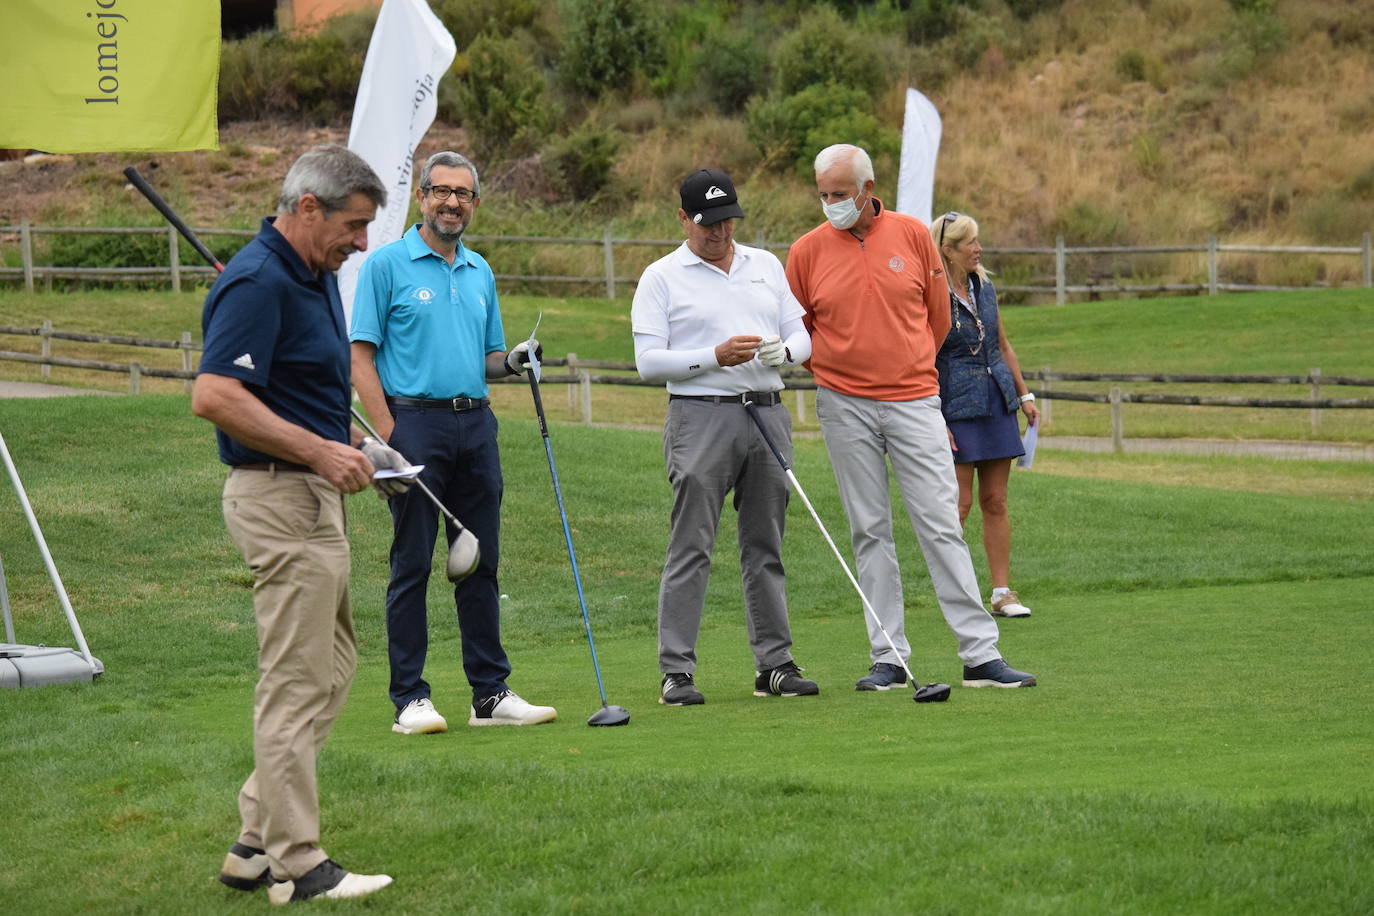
point(417, 481)
point(154, 198)
point(796, 485)
point(179, 224)
point(567, 532)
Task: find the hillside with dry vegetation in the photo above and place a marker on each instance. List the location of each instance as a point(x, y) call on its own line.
point(1102, 121)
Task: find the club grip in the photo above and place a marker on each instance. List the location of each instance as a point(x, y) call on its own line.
point(154, 198)
point(750, 409)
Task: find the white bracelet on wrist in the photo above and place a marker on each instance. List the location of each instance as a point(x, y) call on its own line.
point(1028, 396)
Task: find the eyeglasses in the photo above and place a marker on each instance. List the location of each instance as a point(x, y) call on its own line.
point(440, 192)
point(945, 220)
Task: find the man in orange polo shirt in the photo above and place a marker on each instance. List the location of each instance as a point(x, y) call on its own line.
point(877, 307)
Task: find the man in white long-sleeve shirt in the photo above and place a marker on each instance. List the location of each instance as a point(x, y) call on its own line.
point(716, 320)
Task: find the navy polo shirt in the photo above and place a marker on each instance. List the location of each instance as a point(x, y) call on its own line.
point(274, 325)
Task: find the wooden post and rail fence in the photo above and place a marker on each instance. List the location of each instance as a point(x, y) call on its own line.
point(612, 284)
point(582, 375)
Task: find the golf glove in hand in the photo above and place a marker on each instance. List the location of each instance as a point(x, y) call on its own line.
point(773, 353)
point(382, 457)
point(518, 359)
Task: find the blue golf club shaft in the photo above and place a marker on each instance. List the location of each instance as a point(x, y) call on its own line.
point(567, 532)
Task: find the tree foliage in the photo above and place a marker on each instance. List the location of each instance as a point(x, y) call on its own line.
point(608, 42)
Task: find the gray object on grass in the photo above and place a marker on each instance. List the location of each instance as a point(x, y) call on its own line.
point(32, 666)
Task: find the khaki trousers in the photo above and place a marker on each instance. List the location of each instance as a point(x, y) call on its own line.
point(291, 530)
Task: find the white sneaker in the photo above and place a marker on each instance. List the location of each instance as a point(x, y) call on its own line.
point(326, 880)
point(508, 709)
point(419, 718)
point(1008, 604)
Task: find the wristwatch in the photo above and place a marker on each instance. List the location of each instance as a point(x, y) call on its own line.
point(1028, 396)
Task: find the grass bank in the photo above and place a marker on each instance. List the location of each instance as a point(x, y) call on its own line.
point(1192, 747)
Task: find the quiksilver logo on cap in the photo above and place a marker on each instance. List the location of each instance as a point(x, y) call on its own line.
point(713, 192)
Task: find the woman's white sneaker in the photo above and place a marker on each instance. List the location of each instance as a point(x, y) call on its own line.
point(1008, 604)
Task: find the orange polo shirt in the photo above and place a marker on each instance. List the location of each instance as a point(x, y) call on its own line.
point(877, 309)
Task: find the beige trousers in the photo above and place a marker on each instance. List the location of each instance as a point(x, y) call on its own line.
point(291, 530)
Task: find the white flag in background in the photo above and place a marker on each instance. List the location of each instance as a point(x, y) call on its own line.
point(409, 53)
point(920, 147)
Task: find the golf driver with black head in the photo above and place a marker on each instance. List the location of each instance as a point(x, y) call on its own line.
point(606, 715)
point(464, 553)
point(929, 693)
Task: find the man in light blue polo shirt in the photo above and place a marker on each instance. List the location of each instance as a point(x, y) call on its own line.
point(426, 336)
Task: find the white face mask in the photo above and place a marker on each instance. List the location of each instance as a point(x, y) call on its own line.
point(842, 213)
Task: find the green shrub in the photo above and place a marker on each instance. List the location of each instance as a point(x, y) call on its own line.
point(1024, 9)
point(733, 72)
point(1087, 223)
point(608, 42)
point(826, 49)
point(529, 19)
point(1333, 218)
point(1363, 185)
point(581, 162)
point(788, 131)
point(314, 76)
point(1130, 66)
point(498, 98)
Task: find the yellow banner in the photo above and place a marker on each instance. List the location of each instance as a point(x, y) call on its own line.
point(86, 76)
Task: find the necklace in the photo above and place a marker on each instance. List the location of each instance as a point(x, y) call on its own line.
point(958, 316)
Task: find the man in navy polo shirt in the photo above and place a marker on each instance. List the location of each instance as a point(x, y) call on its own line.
point(426, 336)
point(274, 380)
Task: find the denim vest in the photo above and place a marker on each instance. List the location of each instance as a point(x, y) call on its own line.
point(963, 385)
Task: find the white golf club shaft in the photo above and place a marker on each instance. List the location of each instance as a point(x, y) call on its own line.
point(796, 485)
point(792, 478)
point(417, 481)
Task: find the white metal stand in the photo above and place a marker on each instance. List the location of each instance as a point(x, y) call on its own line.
point(23, 665)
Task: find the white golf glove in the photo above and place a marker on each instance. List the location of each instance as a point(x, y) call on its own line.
point(383, 457)
point(518, 359)
point(772, 352)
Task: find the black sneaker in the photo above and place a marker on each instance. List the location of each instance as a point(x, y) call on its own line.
point(996, 673)
point(328, 880)
point(784, 681)
point(679, 689)
point(881, 676)
point(245, 868)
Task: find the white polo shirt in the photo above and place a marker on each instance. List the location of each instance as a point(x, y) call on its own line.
point(694, 306)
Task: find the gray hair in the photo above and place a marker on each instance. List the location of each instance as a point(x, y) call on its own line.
point(333, 174)
point(451, 160)
point(858, 160)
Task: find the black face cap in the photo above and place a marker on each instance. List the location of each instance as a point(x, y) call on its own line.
point(708, 196)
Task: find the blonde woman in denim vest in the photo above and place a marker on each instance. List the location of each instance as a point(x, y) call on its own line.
point(981, 390)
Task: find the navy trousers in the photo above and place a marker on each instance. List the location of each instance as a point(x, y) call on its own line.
point(463, 469)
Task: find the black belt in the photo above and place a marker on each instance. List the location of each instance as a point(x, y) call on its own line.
point(759, 398)
point(275, 466)
point(458, 404)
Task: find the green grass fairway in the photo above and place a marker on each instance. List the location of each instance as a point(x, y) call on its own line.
point(1200, 742)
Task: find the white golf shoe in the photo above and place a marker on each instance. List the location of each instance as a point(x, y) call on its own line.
point(328, 880)
point(419, 717)
point(1008, 604)
point(508, 709)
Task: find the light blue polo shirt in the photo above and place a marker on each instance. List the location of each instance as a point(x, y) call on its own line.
point(433, 324)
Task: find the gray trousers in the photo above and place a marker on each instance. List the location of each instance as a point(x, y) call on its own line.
point(712, 449)
point(861, 436)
